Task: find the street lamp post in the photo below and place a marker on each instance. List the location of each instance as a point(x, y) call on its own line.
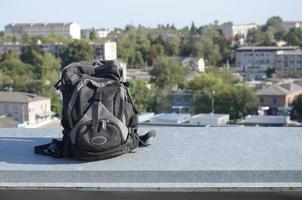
point(213, 103)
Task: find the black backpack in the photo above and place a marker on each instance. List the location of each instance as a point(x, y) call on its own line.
point(98, 115)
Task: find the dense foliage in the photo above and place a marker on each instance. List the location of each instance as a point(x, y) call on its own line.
point(228, 93)
point(161, 48)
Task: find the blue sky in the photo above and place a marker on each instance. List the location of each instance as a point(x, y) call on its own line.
point(118, 13)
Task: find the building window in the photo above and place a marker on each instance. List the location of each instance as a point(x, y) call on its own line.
point(15, 109)
point(274, 100)
point(6, 109)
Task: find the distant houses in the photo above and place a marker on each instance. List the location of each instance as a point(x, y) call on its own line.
point(254, 62)
point(28, 110)
point(278, 97)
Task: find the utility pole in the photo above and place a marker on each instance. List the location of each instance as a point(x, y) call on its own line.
point(213, 103)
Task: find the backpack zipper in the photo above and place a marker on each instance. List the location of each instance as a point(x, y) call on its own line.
point(104, 124)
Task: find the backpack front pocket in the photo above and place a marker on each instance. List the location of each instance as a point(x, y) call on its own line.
point(106, 136)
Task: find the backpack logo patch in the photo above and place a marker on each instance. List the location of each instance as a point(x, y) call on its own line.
point(98, 140)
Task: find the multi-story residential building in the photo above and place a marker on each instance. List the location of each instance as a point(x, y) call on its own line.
point(67, 30)
point(51, 48)
point(252, 62)
point(288, 62)
point(278, 96)
point(100, 33)
point(105, 51)
point(85, 33)
point(292, 24)
point(28, 109)
point(5, 48)
point(230, 31)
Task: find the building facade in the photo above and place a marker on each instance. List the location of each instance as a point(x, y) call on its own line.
point(66, 30)
point(292, 24)
point(106, 51)
point(278, 97)
point(288, 62)
point(252, 62)
point(181, 101)
point(230, 31)
point(28, 109)
point(100, 33)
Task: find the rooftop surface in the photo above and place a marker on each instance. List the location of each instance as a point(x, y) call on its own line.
point(180, 159)
point(19, 97)
point(267, 48)
point(280, 89)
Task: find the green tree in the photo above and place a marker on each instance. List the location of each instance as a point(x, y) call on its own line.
point(75, 51)
point(211, 52)
point(143, 46)
point(24, 38)
point(193, 29)
point(167, 73)
point(297, 104)
point(51, 67)
point(92, 34)
point(156, 50)
point(236, 100)
point(275, 28)
point(255, 36)
point(5, 80)
point(173, 48)
point(269, 72)
point(191, 48)
point(31, 53)
point(143, 102)
point(126, 51)
point(294, 37)
point(15, 73)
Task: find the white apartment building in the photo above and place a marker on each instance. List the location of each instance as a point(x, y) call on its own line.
point(252, 62)
point(28, 109)
point(105, 51)
point(288, 62)
point(67, 30)
point(230, 31)
point(100, 33)
point(292, 24)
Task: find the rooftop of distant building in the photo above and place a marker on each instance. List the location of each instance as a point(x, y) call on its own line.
point(19, 97)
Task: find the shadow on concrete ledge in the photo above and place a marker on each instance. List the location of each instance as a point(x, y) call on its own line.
point(21, 151)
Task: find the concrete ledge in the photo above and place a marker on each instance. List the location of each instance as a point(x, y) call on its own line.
point(182, 159)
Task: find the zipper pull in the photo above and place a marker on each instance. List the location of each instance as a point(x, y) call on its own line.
point(104, 124)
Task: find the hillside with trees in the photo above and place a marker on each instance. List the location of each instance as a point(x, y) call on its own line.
point(158, 48)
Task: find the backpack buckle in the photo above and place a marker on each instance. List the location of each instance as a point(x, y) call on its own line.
point(98, 95)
